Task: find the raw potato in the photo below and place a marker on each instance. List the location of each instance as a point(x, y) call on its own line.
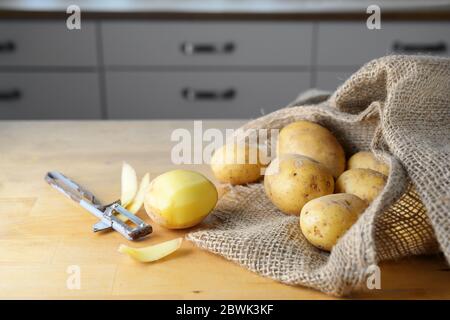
point(180, 199)
point(324, 220)
point(364, 183)
point(154, 252)
point(314, 141)
point(129, 184)
point(292, 180)
point(238, 163)
point(367, 160)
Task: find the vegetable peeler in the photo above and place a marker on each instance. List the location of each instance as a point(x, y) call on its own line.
point(108, 214)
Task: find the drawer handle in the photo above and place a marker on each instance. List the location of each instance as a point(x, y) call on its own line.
point(10, 95)
point(7, 46)
point(439, 47)
point(190, 94)
point(190, 49)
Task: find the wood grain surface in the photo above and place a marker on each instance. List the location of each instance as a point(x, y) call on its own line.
point(42, 233)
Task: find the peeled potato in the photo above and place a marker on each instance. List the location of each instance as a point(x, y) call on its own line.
point(154, 252)
point(238, 163)
point(180, 199)
point(367, 160)
point(314, 141)
point(364, 183)
point(324, 220)
point(291, 180)
point(129, 184)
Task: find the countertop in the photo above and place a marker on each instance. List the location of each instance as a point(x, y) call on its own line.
point(42, 233)
point(229, 8)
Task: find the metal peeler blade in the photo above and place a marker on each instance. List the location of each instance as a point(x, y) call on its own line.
point(108, 214)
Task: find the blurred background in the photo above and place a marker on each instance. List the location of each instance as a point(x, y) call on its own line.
point(196, 59)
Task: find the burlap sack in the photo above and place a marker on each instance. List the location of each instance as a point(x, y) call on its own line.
point(398, 106)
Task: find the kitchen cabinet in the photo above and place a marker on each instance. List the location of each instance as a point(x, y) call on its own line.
point(244, 44)
point(352, 44)
point(46, 44)
point(203, 69)
point(49, 95)
point(343, 47)
point(196, 95)
point(331, 79)
point(181, 68)
point(47, 71)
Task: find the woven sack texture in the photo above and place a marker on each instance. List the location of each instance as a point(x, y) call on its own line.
point(397, 106)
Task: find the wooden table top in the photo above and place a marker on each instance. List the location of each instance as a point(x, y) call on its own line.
point(42, 233)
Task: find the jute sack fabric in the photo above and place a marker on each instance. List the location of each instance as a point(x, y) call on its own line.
point(397, 106)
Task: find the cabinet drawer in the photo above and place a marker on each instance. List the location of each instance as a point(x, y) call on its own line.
point(192, 95)
point(207, 43)
point(331, 80)
point(46, 43)
point(352, 44)
point(49, 96)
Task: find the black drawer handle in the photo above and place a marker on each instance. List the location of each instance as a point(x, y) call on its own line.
point(439, 47)
point(190, 94)
point(7, 46)
point(10, 95)
point(190, 49)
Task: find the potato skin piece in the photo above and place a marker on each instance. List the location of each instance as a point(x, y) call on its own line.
point(228, 167)
point(364, 183)
point(324, 220)
point(367, 160)
point(314, 141)
point(298, 180)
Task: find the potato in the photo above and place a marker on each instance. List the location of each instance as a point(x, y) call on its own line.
point(367, 160)
point(364, 183)
point(291, 180)
point(314, 141)
point(239, 163)
point(180, 199)
point(324, 220)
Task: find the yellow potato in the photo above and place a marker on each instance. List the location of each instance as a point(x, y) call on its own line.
point(291, 180)
point(180, 199)
point(313, 141)
point(324, 220)
point(367, 160)
point(364, 183)
point(237, 164)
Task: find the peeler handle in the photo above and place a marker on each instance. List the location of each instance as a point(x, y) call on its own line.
point(106, 214)
point(70, 188)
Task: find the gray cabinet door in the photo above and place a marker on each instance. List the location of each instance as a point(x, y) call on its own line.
point(49, 96)
point(331, 80)
point(231, 43)
point(191, 95)
point(352, 44)
point(46, 43)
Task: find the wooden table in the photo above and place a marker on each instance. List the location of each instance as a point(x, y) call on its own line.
point(42, 233)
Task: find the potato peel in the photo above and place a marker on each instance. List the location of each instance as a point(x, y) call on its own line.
point(138, 200)
point(152, 253)
point(129, 184)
